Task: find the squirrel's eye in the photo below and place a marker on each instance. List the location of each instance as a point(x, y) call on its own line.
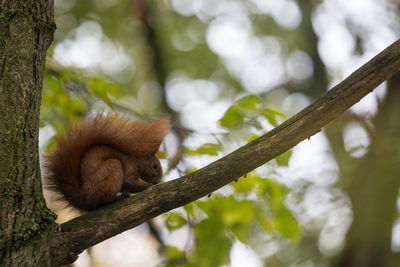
point(155, 166)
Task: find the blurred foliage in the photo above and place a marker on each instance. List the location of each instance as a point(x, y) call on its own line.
point(130, 56)
point(227, 219)
point(219, 221)
point(249, 108)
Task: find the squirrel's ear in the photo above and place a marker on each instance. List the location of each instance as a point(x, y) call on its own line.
point(157, 130)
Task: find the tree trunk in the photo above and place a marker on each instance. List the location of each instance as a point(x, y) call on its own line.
point(26, 31)
point(374, 188)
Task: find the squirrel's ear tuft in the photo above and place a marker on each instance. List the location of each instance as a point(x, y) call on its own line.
point(154, 135)
point(163, 126)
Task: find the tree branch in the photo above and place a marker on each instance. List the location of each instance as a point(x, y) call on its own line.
point(80, 233)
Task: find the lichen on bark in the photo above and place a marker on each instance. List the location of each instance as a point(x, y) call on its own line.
point(26, 31)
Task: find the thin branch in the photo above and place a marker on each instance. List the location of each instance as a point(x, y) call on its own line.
point(74, 236)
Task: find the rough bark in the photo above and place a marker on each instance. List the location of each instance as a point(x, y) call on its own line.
point(26, 31)
point(74, 236)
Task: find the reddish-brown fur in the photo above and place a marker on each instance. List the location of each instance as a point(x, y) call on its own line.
point(98, 161)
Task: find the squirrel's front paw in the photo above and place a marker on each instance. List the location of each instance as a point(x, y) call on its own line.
point(124, 194)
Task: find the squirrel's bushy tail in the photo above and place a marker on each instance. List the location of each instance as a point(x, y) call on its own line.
point(130, 137)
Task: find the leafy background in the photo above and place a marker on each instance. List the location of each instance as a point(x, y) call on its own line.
point(226, 72)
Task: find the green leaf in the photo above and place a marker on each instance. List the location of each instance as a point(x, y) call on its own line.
point(246, 184)
point(282, 218)
point(249, 103)
point(53, 84)
point(252, 138)
point(287, 224)
point(234, 215)
point(264, 222)
point(231, 118)
point(99, 88)
point(175, 221)
point(189, 209)
point(239, 110)
point(271, 115)
point(212, 241)
point(283, 159)
point(272, 192)
point(205, 149)
point(173, 253)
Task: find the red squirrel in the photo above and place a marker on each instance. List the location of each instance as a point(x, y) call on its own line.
point(104, 159)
